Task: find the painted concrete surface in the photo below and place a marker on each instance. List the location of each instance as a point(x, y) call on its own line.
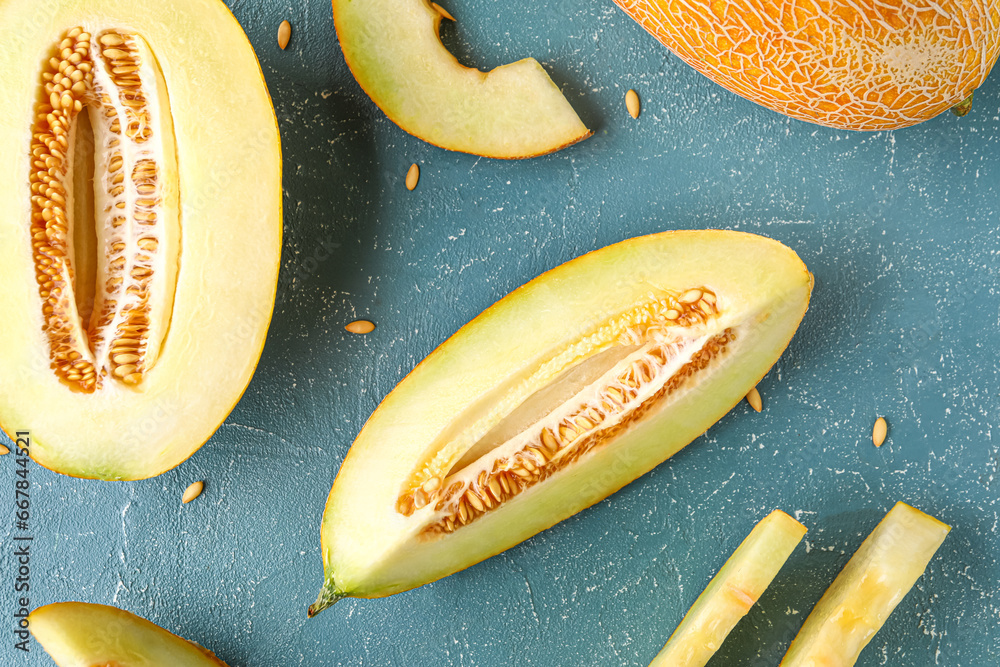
point(899, 228)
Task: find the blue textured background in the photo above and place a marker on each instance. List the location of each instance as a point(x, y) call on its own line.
point(900, 229)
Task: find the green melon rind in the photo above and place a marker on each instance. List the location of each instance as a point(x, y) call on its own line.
point(859, 601)
point(716, 612)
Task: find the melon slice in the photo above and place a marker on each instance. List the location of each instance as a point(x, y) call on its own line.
point(732, 592)
point(883, 569)
point(558, 395)
point(141, 239)
point(77, 634)
point(395, 53)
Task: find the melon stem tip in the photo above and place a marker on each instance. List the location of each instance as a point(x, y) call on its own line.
point(327, 598)
point(963, 107)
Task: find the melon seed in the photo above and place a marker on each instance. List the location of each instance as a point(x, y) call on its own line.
point(879, 431)
point(691, 296)
point(475, 501)
point(284, 34)
point(632, 103)
point(549, 441)
point(753, 398)
point(192, 492)
point(3, 450)
point(360, 327)
point(412, 177)
point(442, 11)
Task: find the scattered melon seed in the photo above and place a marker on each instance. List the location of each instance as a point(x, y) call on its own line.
point(284, 34)
point(3, 450)
point(753, 398)
point(412, 177)
point(632, 103)
point(192, 492)
point(879, 431)
point(360, 327)
point(442, 11)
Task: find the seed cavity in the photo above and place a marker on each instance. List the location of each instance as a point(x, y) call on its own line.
point(636, 360)
point(116, 80)
point(879, 431)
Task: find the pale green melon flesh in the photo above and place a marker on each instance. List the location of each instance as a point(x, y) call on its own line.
point(856, 605)
point(393, 49)
point(78, 634)
point(464, 389)
point(732, 592)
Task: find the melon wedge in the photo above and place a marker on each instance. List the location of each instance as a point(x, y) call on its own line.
point(883, 569)
point(395, 53)
point(77, 634)
point(732, 592)
point(556, 396)
point(141, 235)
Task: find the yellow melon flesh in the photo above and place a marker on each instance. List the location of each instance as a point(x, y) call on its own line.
point(393, 49)
point(556, 396)
point(77, 634)
point(881, 572)
point(732, 592)
point(138, 252)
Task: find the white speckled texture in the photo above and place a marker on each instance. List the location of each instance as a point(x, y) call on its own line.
point(900, 229)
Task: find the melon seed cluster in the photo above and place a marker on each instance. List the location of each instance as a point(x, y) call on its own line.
point(650, 375)
point(111, 78)
point(66, 79)
point(577, 435)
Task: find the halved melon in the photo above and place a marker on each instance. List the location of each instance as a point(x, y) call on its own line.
point(77, 634)
point(393, 49)
point(140, 243)
point(556, 396)
point(732, 592)
point(880, 573)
